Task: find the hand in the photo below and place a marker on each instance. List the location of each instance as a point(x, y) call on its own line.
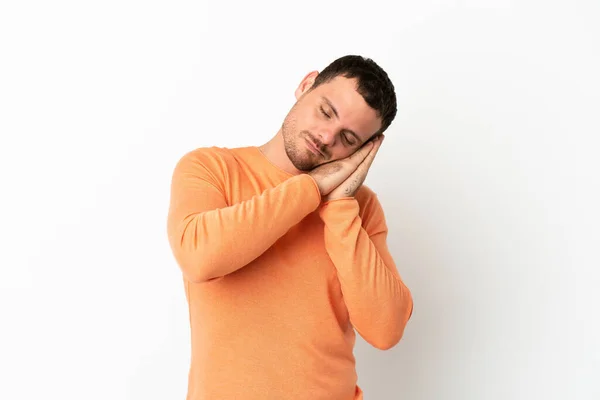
point(349, 186)
point(331, 175)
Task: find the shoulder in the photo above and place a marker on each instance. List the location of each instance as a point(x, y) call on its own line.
point(214, 159)
point(212, 164)
point(209, 155)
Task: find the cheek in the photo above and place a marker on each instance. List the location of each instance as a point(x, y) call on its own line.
point(308, 117)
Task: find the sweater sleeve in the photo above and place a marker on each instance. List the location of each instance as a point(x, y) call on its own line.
point(378, 302)
point(210, 238)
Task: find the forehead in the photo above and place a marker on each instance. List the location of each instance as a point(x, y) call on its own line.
point(353, 110)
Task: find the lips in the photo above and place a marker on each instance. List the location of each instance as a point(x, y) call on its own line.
point(312, 147)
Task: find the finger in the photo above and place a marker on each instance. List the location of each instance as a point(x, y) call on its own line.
point(356, 179)
point(360, 173)
point(360, 154)
point(371, 156)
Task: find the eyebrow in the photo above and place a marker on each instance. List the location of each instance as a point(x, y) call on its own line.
point(348, 131)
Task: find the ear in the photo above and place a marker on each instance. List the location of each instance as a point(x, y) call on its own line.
point(306, 84)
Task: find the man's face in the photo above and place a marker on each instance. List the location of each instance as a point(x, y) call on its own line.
point(333, 117)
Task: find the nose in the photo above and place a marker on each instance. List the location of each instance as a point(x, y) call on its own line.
point(327, 136)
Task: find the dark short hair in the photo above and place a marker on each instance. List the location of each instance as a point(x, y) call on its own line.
point(374, 85)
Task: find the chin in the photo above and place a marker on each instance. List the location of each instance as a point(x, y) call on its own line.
point(301, 158)
point(299, 155)
point(303, 164)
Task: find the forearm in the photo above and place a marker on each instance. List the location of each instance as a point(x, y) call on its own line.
point(210, 239)
point(378, 302)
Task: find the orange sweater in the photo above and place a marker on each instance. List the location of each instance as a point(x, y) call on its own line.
point(276, 281)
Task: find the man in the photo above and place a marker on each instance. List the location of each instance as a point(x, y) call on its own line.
point(283, 250)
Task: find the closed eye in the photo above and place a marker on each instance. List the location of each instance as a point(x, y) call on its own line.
point(351, 143)
point(345, 139)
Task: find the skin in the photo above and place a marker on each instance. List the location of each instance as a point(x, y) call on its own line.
point(342, 126)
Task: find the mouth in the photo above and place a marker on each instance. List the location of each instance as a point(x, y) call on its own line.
point(313, 148)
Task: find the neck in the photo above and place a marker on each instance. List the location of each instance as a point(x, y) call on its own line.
point(274, 150)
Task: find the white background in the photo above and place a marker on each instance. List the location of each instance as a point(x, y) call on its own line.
point(488, 178)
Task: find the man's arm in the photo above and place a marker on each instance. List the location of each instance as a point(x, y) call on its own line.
point(210, 239)
point(378, 302)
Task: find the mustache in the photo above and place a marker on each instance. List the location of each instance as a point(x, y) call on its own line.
point(322, 148)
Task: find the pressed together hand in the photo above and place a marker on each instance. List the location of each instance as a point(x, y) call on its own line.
point(342, 178)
